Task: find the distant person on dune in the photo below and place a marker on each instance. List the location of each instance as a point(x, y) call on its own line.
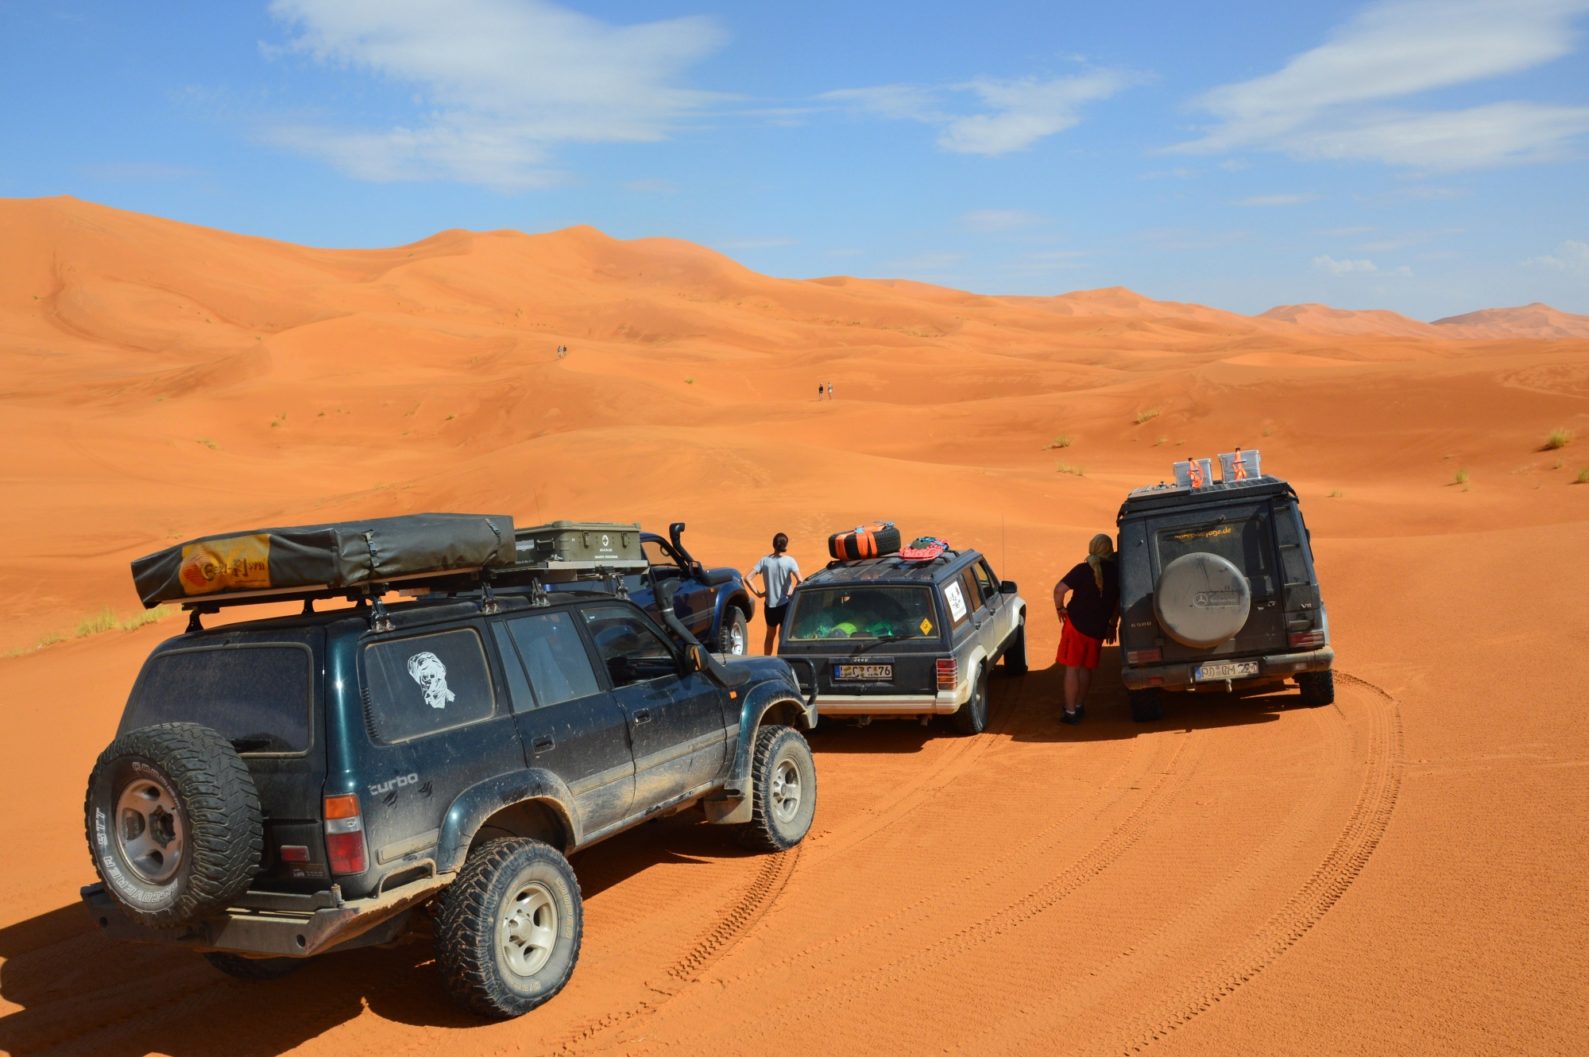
point(1087, 601)
point(830, 390)
point(819, 390)
point(779, 573)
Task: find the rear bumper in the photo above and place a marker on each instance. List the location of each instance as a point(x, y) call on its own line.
point(942, 703)
point(1179, 676)
point(276, 924)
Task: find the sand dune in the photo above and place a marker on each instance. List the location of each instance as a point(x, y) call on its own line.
point(1399, 874)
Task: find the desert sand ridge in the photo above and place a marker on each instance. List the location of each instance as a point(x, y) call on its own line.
point(1402, 873)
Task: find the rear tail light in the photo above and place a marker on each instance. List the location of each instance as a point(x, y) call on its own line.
point(948, 673)
point(1300, 640)
point(1151, 655)
point(344, 835)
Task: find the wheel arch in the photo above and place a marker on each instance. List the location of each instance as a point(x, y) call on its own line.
point(506, 799)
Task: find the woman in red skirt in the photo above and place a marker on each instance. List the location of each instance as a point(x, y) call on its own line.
point(1088, 603)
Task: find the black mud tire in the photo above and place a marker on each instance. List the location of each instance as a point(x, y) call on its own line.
point(733, 638)
point(235, 965)
point(783, 793)
point(1318, 688)
point(1015, 656)
point(173, 823)
point(509, 928)
point(1147, 706)
point(972, 717)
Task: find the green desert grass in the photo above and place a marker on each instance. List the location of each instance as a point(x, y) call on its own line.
point(99, 623)
point(1558, 438)
point(1061, 441)
point(1583, 476)
point(1065, 467)
point(1147, 415)
point(1461, 476)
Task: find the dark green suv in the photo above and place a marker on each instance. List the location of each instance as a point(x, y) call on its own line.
point(283, 788)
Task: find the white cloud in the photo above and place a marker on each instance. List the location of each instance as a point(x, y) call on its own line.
point(504, 82)
point(1297, 199)
point(1330, 102)
point(1010, 115)
point(1329, 264)
point(1571, 257)
point(990, 221)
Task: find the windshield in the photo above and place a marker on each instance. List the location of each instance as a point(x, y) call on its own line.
point(857, 612)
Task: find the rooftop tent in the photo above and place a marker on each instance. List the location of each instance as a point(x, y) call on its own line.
point(343, 554)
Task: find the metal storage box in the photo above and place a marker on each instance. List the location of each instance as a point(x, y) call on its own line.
point(609, 544)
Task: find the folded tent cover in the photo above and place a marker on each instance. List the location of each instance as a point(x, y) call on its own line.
point(342, 554)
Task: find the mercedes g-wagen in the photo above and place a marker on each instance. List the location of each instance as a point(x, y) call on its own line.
point(1218, 591)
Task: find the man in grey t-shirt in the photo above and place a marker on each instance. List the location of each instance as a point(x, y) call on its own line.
point(779, 574)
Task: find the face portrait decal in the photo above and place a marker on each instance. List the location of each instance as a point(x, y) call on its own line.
point(431, 675)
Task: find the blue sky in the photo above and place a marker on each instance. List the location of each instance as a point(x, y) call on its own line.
point(1428, 157)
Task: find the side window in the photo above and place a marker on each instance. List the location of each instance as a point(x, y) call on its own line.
point(954, 596)
point(555, 658)
point(629, 647)
point(661, 557)
point(973, 593)
point(985, 580)
point(427, 683)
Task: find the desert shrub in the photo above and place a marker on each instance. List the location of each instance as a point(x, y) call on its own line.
point(1583, 476)
point(1065, 467)
point(1558, 438)
point(1061, 441)
point(1461, 477)
point(104, 620)
point(1147, 415)
point(1336, 493)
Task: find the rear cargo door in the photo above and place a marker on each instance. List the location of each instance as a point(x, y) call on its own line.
point(1243, 535)
point(263, 695)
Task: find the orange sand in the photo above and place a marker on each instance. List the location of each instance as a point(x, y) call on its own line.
point(1403, 873)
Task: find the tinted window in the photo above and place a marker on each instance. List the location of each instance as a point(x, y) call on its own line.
point(985, 579)
point(973, 592)
point(862, 613)
point(1243, 540)
point(628, 645)
point(954, 599)
point(427, 683)
point(258, 697)
point(553, 655)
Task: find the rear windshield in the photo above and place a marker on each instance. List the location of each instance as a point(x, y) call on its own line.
point(257, 696)
point(1243, 541)
point(863, 612)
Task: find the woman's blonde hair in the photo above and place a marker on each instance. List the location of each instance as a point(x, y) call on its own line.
point(1098, 549)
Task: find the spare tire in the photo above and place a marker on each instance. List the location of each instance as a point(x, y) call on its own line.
point(173, 823)
point(1201, 600)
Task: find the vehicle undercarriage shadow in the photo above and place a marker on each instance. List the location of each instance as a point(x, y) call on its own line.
point(82, 992)
point(1109, 713)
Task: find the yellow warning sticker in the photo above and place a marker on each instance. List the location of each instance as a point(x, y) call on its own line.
point(926, 626)
point(219, 565)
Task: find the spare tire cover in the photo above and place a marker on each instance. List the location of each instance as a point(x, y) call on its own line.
point(1201, 600)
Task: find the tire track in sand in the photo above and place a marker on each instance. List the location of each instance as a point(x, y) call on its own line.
point(1364, 828)
point(753, 904)
point(874, 985)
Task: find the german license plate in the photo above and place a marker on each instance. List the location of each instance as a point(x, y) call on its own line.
point(1208, 673)
point(863, 673)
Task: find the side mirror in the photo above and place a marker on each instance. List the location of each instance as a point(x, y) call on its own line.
point(695, 657)
point(1006, 587)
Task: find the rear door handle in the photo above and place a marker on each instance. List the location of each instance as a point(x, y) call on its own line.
point(543, 744)
point(643, 716)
